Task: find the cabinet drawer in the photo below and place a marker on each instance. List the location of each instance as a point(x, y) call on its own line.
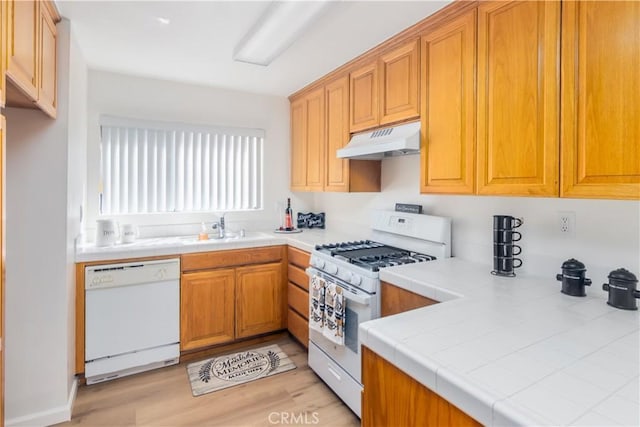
point(217, 259)
point(299, 327)
point(298, 300)
point(298, 257)
point(299, 277)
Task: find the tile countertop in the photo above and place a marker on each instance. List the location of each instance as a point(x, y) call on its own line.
point(513, 351)
point(161, 246)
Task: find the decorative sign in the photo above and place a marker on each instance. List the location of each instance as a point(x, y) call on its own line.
point(310, 220)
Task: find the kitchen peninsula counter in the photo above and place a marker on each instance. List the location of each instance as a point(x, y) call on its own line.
point(513, 351)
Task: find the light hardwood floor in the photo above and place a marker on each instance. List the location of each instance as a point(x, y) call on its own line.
point(163, 398)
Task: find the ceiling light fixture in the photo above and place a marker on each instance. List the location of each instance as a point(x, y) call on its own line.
point(163, 21)
point(276, 29)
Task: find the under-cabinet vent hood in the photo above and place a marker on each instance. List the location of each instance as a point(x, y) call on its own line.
point(386, 142)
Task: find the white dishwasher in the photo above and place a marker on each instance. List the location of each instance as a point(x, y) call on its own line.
point(132, 318)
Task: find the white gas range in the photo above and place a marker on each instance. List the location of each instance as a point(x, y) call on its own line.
point(397, 238)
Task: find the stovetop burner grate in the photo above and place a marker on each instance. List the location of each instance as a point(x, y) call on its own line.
point(372, 255)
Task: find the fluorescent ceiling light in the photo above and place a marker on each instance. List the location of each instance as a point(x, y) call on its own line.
point(276, 29)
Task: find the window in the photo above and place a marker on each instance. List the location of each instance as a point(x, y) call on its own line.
point(155, 167)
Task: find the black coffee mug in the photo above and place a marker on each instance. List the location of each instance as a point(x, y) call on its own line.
point(506, 264)
point(506, 222)
point(506, 236)
point(506, 249)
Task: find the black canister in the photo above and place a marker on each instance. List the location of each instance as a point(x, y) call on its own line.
point(622, 289)
point(572, 277)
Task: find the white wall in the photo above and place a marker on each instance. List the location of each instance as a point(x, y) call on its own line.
point(43, 183)
point(144, 98)
point(607, 231)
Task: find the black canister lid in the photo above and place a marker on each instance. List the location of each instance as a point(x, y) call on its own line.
point(623, 275)
point(573, 264)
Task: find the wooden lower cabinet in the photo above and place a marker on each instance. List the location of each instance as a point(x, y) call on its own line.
point(396, 300)
point(298, 295)
point(260, 297)
point(392, 398)
point(207, 301)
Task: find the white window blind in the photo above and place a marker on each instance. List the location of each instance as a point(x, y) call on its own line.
point(155, 167)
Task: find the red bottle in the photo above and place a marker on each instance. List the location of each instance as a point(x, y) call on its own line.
point(288, 217)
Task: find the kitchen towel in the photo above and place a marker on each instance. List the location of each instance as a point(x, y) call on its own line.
point(316, 303)
point(334, 313)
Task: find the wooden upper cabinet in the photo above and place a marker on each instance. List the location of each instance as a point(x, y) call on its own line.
point(298, 145)
point(260, 299)
point(319, 127)
point(47, 77)
point(31, 54)
point(399, 78)
point(308, 142)
point(23, 45)
point(315, 140)
point(449, 111)
point(337, 170)
point(363, 95)
point(518, 98)
point(207, 304)
point(386, 90)
point(600, 129)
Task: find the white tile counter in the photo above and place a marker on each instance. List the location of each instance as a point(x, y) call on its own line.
point(160, 246)
point(514, 351)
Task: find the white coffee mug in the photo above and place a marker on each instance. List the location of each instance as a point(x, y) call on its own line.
point(129, 233)
point(106, 232)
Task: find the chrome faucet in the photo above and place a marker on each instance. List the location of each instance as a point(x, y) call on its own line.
point(220, 227)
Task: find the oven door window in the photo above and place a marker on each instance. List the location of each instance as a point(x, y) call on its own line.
point(351, 329)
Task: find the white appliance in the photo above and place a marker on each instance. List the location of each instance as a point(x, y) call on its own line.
point(386, 142)
point(397, 238)
point(132, 318)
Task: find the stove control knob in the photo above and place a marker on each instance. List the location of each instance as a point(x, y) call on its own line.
point(355, 279)
point(318, 263)
point(331, 268)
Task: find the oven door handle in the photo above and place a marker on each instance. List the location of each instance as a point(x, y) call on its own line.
point(356, 298)
point(350, 293)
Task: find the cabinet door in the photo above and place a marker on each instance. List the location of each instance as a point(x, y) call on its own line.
point(22, 50)
point(207, 308)
point(363, 98)
point(337, 170)
point(315, 137)
point(47, 88)
point(308, 142)
point(260, 299)
point(518, 98)
point(4, 9)
point(392, 398)
point(399, 89)
point(298, 145)
point(600, 102)
point(447, 162)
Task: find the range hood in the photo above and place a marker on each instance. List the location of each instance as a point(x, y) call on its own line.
point(385, 142)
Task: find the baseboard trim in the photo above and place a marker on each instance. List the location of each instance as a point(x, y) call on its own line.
point(52, 416)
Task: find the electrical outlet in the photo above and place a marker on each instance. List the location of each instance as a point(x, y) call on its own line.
point(567, 223)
